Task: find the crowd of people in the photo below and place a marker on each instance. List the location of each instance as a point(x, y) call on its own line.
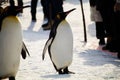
point(106, 15)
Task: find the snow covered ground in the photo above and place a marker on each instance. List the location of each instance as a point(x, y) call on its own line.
point(88, 63)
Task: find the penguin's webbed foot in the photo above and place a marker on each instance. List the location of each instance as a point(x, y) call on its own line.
point(66, 71)
point(60, 71)
point(69, 72)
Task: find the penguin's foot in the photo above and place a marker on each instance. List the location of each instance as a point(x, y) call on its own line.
point(66, 71)
point(11, 78)
point(60, 71)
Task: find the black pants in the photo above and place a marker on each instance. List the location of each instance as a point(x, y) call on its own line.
point(50, 7)
point(19, 2)
point(109, 21)
point(100, 30)
point(106, 9)
point(117, 30)
point(33, 7)
point(12, 3)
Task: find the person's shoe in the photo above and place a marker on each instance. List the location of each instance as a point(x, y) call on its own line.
point(109, 39)
point(102, 41)
point(48, 26)
point(111, 47)
point(45, 22)
point(105, 48)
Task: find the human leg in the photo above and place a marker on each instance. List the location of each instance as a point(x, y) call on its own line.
point(33, 9)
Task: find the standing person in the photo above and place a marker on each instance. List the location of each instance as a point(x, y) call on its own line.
point(106, 8)
point(33, 9)
point(50, 9)
point(96, 16)
point(45, 5)
point(117, 12)
point(53, 7)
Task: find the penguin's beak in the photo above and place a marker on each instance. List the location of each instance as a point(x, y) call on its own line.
point(20, 8)
point(67, 12)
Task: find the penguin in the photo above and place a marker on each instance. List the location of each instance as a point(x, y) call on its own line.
point(11, 43)
point(60, 44)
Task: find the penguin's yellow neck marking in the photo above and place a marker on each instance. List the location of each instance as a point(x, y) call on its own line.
point(10, 20)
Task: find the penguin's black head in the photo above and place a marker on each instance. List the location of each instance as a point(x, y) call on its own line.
point(9, 11)
point(62, 15)
point(13, 10)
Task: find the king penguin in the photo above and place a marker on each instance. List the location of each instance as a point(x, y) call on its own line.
point(11, 43)
point(60, 44)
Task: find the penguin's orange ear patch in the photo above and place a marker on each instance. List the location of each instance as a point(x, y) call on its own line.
point(58, 16)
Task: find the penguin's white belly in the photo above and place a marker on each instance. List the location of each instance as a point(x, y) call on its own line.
point(62, 46)
point(10, 46)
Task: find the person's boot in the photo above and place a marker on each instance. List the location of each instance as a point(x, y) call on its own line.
point(45, 22)
point(102, 41)
point(48, 25)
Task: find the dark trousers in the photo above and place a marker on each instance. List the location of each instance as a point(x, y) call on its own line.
point(33, 8)
point(109, 21)
point(12, 3)
point(92, 2)
point(56, 6)
point(50, 7)
point(106, 9)
point(19, 2)
point(117, 30)
point(100, 30)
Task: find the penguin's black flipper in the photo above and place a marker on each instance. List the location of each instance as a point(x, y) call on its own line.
point(46, 47)
point(24, 51)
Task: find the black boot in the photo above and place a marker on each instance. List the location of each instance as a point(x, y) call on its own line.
point(102, 41)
